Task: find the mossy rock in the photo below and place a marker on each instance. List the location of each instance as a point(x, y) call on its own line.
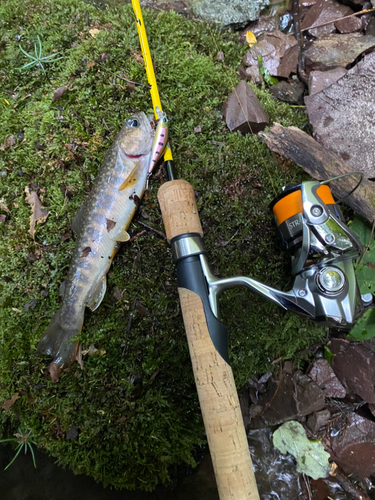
point(132, 410)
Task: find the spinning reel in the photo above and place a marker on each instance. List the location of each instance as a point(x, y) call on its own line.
point(322, 249)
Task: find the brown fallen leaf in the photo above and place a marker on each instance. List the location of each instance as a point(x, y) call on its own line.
point(91, 64)
point(9, 142)
point(3, 218)
point(3, 206)
point(117, 294)
point(59, 93)
point(39, 214)
point(10, 402)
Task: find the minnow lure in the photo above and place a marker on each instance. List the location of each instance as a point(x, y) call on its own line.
point(100, 224)
point(160, 139)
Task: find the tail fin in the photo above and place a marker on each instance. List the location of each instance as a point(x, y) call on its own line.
point(56, 341)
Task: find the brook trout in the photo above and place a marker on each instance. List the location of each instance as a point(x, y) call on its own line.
point(100, 225)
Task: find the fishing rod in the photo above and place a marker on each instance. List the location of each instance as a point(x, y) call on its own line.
point(206, 335)
point(323, 250)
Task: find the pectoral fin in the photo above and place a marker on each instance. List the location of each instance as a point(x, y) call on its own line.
point(97, 295)
point(132, 178)
point(121, 235)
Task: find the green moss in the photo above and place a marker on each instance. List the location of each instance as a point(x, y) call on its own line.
point(135, 407)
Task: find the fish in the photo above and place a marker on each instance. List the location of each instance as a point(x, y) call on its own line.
point(101, 225)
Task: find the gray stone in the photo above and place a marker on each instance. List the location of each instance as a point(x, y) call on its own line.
point(322, 373)
point(320, 80)
point(343, 115)
point(279, 54)
point(322, 12)
point(292, 398)
point(370, 29)
point(243, 109)
point(336, 50)
point(293, 94)
point(354, 366)
point(349, 25)
point(352, 445)
point(318, 420)
point(250, 74)
point(237, 12)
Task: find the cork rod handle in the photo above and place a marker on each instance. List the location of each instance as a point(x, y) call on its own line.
point(213, 376)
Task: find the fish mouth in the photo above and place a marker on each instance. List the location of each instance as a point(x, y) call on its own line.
point(133, 157)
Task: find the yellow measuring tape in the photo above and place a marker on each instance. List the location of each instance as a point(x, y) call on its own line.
point(149, 68)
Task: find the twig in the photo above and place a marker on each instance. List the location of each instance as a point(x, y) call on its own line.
point(366, 11)
point(307, 483)
point(368, 244)
point(346, 484)
point(162, 235)
point(136, 236)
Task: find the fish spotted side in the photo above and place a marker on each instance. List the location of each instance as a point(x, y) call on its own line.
point(101, 224)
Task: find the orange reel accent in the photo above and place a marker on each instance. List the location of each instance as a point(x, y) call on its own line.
point(292, 203)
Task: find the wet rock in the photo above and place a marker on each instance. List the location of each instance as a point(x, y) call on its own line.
point(318, 420)
point(237, 12)
point(370, 29)
point(342, 116)
point(294, 397)
point(308, 396)
point(336, 50)
point(354, 365)
point(320, 80)
point(279, 54)
point(293, 94)
point(242, 109)
point(286, 22)
point(250, 74)
point(349, 25)
point(322, 12)
point(324, 376)
point(353, 448)
point(264, 25)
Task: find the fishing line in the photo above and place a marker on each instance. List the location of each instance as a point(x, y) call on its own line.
point(351, 174)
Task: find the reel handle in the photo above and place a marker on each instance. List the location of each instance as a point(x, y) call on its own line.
point(213, 376)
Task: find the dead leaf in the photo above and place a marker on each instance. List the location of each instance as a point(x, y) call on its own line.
point(110, 224)
point(9, 142)
point(198, 129)
point(93, 32)
point(92, 351)
point(250, 39)
point(85, 252)
point(91, 64)
point(10, 402)
point(3, 218)
point(30, 305)
point(3, 206)
point(117, 294)
point(39, 214)
point(59, 93)
point(66, 236)
point(137, 56)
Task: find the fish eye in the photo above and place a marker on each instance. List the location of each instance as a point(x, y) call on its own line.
point(132, 122)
